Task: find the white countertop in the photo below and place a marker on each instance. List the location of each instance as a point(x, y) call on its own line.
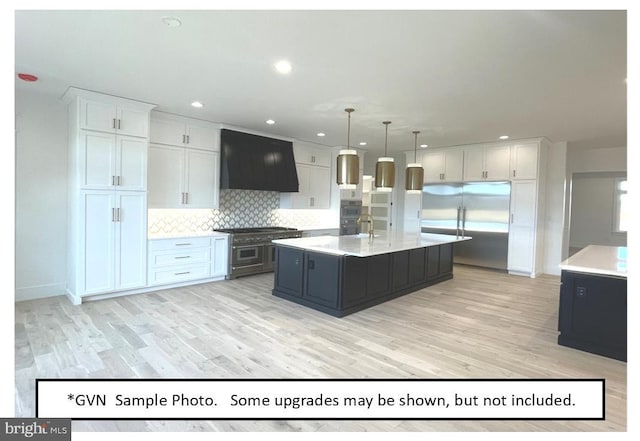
point(598, 259)
point(359, 245)
point(153, 236)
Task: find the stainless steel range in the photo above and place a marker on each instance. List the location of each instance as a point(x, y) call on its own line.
point(251, 250)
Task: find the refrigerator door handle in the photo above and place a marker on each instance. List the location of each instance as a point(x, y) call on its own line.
point(464, 218)
point(458, 223)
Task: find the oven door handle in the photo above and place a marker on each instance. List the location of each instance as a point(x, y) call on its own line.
point(239, 247)
point(246, 266)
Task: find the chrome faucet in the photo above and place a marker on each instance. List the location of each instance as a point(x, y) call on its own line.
point(370, 222)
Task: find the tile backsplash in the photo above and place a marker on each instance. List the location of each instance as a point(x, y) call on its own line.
point(237, 209)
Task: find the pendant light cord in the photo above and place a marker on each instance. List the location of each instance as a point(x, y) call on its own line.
point(386, 133)
point(415, 147)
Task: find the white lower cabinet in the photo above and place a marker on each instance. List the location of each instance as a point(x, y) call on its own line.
point(185, 259)
point(113, 245)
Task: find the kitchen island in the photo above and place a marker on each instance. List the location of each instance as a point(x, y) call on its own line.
point(593, 301)
point(345, 274)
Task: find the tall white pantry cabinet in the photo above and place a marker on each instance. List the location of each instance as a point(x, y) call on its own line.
point(107, 219)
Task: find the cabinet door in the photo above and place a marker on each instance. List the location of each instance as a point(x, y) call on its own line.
point(96, 250)
point(322, 277)
point(301, 199)
point(433, 163)
point(453, 160)
point(319, 185)
point(219, 256)
point(165, 131)
point(166, 176)
point(97, 160)
point(131, 163)
point(521, 249)
point(474, 164)
point(317, 156)
point(206, 137)
point(133, 122)
point(524, 161)
point(201, 179)
point(95, 115)
point(497, 162)
point(131, 240)
point(289, 270)
point(522, 227)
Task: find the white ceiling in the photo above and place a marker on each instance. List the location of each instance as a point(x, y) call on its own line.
point(458, 76)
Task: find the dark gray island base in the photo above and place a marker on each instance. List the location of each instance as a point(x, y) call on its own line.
point(343, 284)
point(593, 301)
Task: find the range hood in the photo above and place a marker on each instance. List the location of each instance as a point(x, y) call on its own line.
point(252, 162)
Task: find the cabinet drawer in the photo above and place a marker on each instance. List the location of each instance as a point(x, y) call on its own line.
point(178, 273)
point(179, 244)
point(187, 256)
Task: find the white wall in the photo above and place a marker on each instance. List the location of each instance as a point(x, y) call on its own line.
point(41, 195)
point(554, 210)
point(586, 161)
point(592, 210)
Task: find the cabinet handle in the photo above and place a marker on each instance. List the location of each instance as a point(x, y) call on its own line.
point(313, 158)
point(184, 138)
point(511, 217)
point(113, 125)
point(182, 244)
point(113, 180)
point(186, 195)
point(119, 180)
point(113, 215)
point(117, 215)
point(180, 274)
point(182, 201)
point(119, 124)
point(182, 257)
point(514, 173)
point(188, 139)
point(312, 201)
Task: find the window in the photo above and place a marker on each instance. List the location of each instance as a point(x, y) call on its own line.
point(621, 206)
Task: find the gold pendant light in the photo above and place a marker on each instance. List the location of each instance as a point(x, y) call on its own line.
point(415, 172)
point(385, 168)
point(348, 167)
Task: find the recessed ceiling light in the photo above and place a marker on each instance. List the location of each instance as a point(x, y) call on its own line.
point(320, 134)
point(504, 137)
point(363, 143)
point(424, 146)
point(283, 66)
point(197, 104)
point(172, 22)
point(270, 121)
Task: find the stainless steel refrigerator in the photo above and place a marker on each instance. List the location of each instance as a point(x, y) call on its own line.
point(476, 209)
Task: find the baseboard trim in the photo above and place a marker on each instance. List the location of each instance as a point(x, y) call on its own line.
point(145, 289)
point(40, 291)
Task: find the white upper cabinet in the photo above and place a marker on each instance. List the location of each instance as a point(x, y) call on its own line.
point(112, 162)
point(310, 155)
point(201, 179)
point(487, 163)
point(113, 118)
point(314, 191)
point(313, 166)
point(524, 161)
point(182, 178)
point(186, 132)
point(444, 165)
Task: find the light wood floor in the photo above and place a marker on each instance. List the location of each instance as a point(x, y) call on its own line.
point(480, 324)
